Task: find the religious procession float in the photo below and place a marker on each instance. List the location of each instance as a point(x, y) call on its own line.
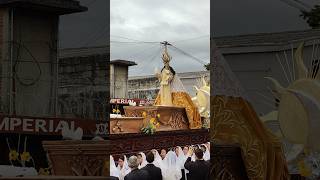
point(173, 119)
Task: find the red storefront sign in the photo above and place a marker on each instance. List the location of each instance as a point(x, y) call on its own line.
point(45, 126)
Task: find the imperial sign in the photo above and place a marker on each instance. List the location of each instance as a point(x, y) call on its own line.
point(45, 126)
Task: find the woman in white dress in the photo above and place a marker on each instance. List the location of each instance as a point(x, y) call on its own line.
point(181, 160)
point(206, 153)
point(158, 162)
point(142, 159)
point(123, 167)
point(157, 158)
point(114, 171)
point(173, 170)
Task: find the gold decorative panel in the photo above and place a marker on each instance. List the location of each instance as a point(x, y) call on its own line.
point(234, 121)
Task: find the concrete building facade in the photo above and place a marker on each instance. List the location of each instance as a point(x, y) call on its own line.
point(147, 87)
point(88, 79)
point(255, 56)
point(84, 83)
point(119, 78)
point(28, 55)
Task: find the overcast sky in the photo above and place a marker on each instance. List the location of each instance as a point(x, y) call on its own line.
point(173, 20)
point(176, 21)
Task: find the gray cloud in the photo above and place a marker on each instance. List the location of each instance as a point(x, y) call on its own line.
point(157, 21)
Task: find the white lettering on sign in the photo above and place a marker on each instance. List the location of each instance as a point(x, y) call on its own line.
point(34, 125)
point(50, 126)
point(40, 124)
point(61, 125)
point(5, 123)
point(14, 122)
point(27, 125)
point(123, 101)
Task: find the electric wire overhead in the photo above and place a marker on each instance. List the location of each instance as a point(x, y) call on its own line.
point(188, 55)
point(175, 48)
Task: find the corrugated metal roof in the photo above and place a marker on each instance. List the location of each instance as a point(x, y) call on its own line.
point(266, 39)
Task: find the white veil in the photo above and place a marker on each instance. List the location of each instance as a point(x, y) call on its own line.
point(173, 170)
point(177, 85)
point(114, 171)
point(193, 157)
point(181, 157)
point(144, 160)
point(158, 162)
point(125, 170)
point(157, 159)
point(206, 154)
point(126, 166)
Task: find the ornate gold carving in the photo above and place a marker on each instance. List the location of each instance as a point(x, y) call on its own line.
point(220, 171)
point(170, 117)
point(117, 128)
point(235, 122)
point(176, 120)
point(85, 166)
point(183, 99)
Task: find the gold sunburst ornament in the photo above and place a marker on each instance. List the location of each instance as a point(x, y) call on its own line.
point(299, 107)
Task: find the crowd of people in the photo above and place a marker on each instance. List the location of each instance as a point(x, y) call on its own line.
point(178, 163)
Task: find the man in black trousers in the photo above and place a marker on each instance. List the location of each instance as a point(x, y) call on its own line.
point(153, 171)
point(198, 170)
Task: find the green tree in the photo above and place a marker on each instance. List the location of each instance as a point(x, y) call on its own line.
point(207, 66)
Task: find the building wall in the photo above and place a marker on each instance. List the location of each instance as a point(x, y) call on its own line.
point(251, 68)
point(84, 87)
point(147, 87)
point(118, 81)
point(144, 88)
point(29, 63)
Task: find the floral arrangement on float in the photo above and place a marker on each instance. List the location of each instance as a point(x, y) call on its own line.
point(19, 157)
point(150, 125)
point(115, 112)
point(21, 161)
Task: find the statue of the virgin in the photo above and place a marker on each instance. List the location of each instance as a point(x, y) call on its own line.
point(173, 93)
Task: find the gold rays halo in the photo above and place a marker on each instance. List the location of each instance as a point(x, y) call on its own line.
point(299, 102)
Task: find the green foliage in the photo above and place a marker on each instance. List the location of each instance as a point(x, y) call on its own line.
point(207, 66)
